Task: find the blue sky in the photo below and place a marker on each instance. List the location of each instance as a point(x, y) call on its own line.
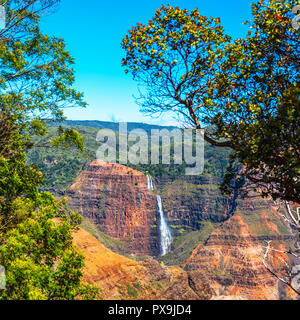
point(93, 31)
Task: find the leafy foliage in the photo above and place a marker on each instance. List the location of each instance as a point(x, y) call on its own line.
point(35, 229)
point(36, 73)
point(177, 57)
point(247, 91)
point(260, 101)
point(35, 247)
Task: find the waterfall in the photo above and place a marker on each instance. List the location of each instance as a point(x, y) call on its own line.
point(165, 234)
point(150, 183)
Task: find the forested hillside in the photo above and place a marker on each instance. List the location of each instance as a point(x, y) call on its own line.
point(61, 166)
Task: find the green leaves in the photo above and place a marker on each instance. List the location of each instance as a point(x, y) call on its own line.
point(36, 239)
point(67, 138)
point(176, 57)
point(39, 257)
point(261, 72)
point(187, 65)
point(36, 79)
point(39, 61)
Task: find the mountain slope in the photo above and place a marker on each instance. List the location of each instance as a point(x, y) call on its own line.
point(121, 278)
point(232, 257)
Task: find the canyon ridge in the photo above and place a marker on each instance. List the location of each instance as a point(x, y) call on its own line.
point(217, 242)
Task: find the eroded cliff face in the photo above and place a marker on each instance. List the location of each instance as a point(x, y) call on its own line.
point(118, 277)
point(220, 253)
point(232, 257)
point(116, 199)
point(191, 201)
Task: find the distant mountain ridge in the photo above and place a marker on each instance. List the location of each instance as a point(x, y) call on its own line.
point(61, 167)
point(113, 125)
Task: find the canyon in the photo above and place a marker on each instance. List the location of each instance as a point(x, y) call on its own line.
point(120, 278)
point(218, 243)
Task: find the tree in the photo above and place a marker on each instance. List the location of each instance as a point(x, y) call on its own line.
point(37, 252)
point(259, 93)
point(36, 238)
point(176, 57)
point(269, 150)
point(36, 73)
point(246, 91)
point(35, 229)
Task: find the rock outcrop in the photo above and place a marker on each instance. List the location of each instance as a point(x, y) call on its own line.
point(118, 277)
point(116, 199)
point(220, 253)
point(232, 257)
point(191, 201)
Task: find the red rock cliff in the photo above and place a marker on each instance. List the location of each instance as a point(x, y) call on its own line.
point(119, 278)
point(117, 200)
point(232, 257)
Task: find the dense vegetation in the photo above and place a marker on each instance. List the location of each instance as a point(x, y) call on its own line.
point(60, 167)
point(247, 90)
point(36, 78)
